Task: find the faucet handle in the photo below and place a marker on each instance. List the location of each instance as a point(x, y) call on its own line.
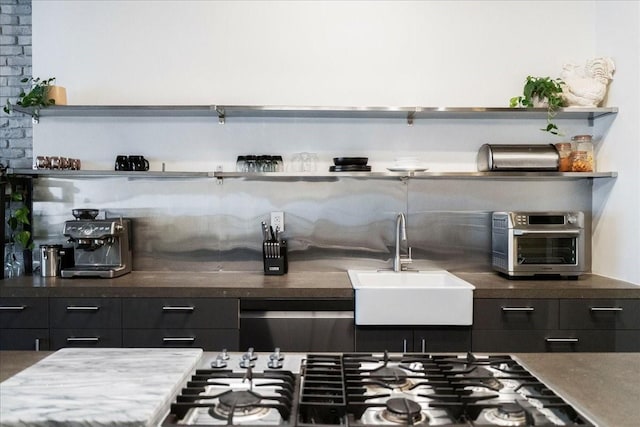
point(406, 259)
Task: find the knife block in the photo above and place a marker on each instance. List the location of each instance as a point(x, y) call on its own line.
point(274, 257)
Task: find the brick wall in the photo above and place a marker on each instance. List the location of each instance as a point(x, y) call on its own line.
point(16, 142)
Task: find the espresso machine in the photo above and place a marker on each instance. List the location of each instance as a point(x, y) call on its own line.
point(102, 247)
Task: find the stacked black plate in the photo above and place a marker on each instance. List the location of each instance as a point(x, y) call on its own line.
point(350, 164)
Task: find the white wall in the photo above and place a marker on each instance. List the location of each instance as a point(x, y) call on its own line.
point(465, 53)
point(616, 207)
point(461, 53)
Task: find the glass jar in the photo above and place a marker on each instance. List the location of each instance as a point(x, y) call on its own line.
point(241, 164)
point(278, 164)
point(582, 159)
point(251, 164)
point(564, 152)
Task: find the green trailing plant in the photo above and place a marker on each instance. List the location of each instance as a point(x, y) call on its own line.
point(542, 90)
point(19, 217)
point(37, 97)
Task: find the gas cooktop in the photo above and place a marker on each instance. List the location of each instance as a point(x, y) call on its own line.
point(368, 389)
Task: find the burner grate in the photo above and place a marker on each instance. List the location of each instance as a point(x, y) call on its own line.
point(322, 390)
point(280, 386)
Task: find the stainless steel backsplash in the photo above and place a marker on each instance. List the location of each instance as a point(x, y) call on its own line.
point(330, 223)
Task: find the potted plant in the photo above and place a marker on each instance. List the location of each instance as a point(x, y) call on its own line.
point(542, 92)
point(42, 94)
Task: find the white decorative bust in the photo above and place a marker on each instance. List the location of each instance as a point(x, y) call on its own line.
point(587, 86)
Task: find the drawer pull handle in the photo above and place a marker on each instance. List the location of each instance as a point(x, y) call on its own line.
point(567, 340)
point(83, 339)
point(13, 307)
point(605, 308)
point(526, 309)
point(178, 308)
point(178, 339)
point(82, 308)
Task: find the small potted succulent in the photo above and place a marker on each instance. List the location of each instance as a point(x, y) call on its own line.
point(42, 94)
point(542, 92)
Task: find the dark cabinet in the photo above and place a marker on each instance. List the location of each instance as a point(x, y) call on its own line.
point(424, 339)
point(85, 322)
point(561, 325)
point(208, 323)
point(600, 314)
point(515, 314)
point(302, 325)
point(603, 324)
point(24, 324)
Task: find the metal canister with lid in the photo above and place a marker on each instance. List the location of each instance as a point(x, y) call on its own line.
point(50, 260)
point(582, 158)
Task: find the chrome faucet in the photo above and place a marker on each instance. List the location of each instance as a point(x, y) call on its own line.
point(399, 261)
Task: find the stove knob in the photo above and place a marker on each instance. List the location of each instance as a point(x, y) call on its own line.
point(275, 359)
point(249, 355)
point(276, 355)
point(223, 354)
point(219, 363)
point(275, 363)
point(247, 363)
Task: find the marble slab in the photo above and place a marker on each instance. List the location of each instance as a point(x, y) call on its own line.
point(97, 387)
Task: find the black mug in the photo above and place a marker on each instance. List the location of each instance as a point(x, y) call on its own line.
point(123, 163)
point(138, 163)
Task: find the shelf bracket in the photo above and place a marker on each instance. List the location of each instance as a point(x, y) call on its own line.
point(410, 116)
point(221, 114)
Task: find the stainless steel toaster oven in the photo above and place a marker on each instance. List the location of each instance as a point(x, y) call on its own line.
point(538, 243)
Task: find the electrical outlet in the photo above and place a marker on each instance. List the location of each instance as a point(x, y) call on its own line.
point(277, 220)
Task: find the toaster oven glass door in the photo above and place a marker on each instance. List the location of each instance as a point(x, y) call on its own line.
point(540, 249)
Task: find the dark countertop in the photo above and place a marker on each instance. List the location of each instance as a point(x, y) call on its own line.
point(294, 285)
point(601, 385)
point(186, 284)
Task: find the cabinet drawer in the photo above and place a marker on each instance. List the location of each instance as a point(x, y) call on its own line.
point(85, 313)
point(294, 334)
point(524, 341)
point(515, 314)
point(207, 339)
point(607, 340)
point(380, 339)
point(91, 337)
point(24, 313)
point(442, 339)
point(24, 339)
point(177, 313)
point(600, 314)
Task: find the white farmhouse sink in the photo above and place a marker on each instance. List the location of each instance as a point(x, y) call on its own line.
point(429, 297)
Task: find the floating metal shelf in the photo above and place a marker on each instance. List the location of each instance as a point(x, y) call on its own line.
point(79, 174)
point(284, 176)
point(223, 112)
